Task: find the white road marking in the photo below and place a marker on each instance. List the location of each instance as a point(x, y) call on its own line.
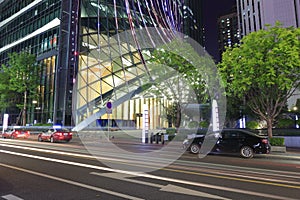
point(11, 197)
point(75, 154)
point(71, 183)
point(149, 176)
point(166, 188)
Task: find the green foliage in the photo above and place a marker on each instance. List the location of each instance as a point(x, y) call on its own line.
point(204, 124)
point(22, 72)
point(275, 141)
point(46, 125)
point(264, 69)
point(285, 123)
point(193, 124)
point(184, 67)
point(22, 80)
point(170, 131)
point(252, 125)
point(5, 92)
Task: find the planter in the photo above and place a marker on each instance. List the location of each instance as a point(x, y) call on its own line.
point(281, 149)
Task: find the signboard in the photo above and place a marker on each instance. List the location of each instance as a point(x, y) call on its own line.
point(215, 116)
point(5, 122)
point(109, 107)
point(145, 124)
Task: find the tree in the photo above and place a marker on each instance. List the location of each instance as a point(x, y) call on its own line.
point(186, 74)
point(23, 78)
point(5, 92)
point(264, 69)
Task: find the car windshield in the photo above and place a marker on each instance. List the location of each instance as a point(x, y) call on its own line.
point(62, 130)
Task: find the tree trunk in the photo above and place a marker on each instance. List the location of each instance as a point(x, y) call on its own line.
point(178, 116)
point(270, 127)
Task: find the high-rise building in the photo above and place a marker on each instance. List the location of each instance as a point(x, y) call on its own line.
point(193, 20)
point(91, 53)
point(33, 26)
point(255, 14)
point(228, 30)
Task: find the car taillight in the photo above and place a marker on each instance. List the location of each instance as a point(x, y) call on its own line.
point(264, 141)
point(59, 134)
point(70, 133)
point(17, 132)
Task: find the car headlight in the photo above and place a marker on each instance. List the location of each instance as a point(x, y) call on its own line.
point(185, 142)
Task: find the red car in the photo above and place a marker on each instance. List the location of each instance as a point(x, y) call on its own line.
point(16, 133)
point(55, 135)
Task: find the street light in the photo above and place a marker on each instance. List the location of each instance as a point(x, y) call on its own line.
point(295, 109)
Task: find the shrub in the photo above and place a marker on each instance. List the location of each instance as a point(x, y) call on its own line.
point(170, 131)
point(40, 124)
point(275, 141)
point(203, 124)
point(252, 125)
point(285, 123)
point(193, 124)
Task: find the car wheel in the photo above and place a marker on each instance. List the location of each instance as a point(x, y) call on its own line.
point(195, 148)
point(246, 152)
point(51, 139)
point(40, 139)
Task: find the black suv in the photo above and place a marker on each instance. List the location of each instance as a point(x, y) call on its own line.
point(238, 141)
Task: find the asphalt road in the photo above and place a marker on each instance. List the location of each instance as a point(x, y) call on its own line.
point(31, 170)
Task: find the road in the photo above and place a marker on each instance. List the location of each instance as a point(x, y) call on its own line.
point(31, 170)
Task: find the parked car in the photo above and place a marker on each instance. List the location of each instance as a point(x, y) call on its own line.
point(55, 135)
point(16, 133)
point(237, 141)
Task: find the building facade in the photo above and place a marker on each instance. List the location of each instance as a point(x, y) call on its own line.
point(228, 30)
point(193, 19)
point(85, 63)
point(32, 26)
point(255, 14)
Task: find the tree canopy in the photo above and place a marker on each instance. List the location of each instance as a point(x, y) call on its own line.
point(264, 69)
point(21, 79)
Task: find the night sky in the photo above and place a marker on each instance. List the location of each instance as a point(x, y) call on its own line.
point(212, 10)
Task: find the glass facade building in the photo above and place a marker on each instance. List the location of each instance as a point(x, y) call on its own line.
point(91, 53)
point(32, 26)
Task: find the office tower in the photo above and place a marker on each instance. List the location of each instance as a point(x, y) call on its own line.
point(255, 14)
point(193, 20)
point(228, 30)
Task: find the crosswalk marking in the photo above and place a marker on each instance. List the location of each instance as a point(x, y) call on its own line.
point(11, 197)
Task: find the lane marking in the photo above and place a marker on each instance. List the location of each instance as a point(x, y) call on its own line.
point(158, 177)
point(11, 197)
point(76, 154)
point(71, 183)
point(221, 175)
point(166, 188)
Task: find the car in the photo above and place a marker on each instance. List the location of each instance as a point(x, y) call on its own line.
point(16, 133)
point(55, 135)
point(232, 141)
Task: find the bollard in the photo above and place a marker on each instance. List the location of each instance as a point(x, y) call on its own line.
point(151, 138)
point(162, 138)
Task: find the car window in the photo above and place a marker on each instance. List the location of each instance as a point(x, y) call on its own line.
point(231, 134)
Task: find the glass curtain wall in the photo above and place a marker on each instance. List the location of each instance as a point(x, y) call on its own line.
point(32, 26)
point(112, 64)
